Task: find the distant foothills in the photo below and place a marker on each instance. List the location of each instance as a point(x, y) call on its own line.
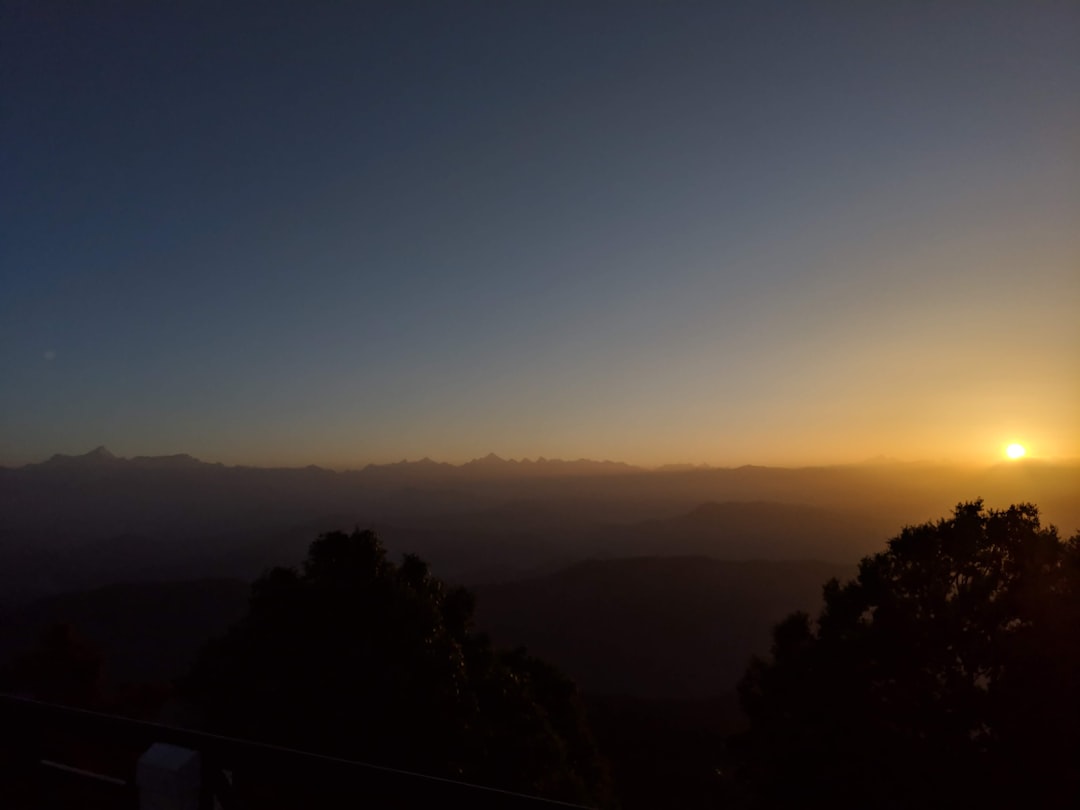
point(602, 568)
point(495, 464)
point(85, 520)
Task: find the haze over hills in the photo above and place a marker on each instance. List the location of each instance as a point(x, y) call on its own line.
point(77, 522)
point(92, 519)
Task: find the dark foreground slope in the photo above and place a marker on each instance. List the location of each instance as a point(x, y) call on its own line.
point(655, 643)
point(653, 627)
point(648, 627)
point(148, 631)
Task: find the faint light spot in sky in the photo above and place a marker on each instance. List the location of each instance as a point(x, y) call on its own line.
point(50, 354)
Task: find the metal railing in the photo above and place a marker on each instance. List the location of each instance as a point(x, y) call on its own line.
point(45, 748)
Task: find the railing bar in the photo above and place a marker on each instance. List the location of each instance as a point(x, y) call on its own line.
point(60, 766)
point(195, 734)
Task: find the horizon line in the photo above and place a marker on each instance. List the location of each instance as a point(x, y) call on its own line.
point(101, 452)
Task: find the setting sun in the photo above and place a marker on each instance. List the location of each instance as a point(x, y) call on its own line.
point(1015, 451)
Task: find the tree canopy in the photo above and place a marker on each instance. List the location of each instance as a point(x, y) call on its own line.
point(356, 656)
point(946, 673)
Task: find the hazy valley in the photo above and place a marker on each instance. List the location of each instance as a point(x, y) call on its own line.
point(720, 554)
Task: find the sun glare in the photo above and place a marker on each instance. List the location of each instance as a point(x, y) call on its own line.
point(1015, 451)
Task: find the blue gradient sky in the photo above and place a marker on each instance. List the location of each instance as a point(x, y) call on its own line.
point(772, 233)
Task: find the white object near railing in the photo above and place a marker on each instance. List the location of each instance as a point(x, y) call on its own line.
point(168, 778)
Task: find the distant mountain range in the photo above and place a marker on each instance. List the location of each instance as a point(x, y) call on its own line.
point(100, 456)
point(630, 549)
point(489, 465)
point(82, 521)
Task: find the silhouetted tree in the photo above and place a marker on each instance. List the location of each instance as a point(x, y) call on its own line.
point(946, 674)
point(362, 658)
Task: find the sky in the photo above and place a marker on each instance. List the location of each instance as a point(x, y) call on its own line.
point(342, 233)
